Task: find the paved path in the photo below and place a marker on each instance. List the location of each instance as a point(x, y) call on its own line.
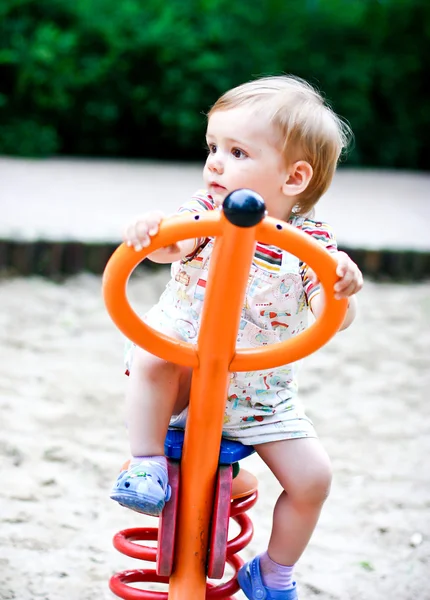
point(90, 201)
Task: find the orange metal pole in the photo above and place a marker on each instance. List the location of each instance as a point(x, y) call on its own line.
point(224, 297)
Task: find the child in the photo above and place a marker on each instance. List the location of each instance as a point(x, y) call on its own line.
point(277, 137)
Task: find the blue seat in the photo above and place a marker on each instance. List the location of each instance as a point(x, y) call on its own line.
point(230, 451)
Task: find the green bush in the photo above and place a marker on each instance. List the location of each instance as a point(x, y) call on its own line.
point(134, 78)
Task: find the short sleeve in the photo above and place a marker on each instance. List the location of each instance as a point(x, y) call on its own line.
point(323, 233)
point(199, 202)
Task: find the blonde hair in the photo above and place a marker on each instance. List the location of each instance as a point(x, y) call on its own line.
point(307, 127)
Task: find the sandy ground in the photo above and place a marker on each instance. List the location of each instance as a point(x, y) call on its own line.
point(62, 442)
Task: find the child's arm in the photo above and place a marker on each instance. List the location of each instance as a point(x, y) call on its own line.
point(349, 283)
point(317, 305)
point(139, 233)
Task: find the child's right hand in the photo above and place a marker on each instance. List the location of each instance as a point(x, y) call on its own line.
point(138, 233)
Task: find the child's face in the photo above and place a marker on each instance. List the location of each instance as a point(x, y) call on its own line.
point(243, 154)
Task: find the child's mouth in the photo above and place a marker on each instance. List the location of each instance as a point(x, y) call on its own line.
point(216, 187)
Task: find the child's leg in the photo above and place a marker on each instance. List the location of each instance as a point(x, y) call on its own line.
point(303, 469)
point(156, 390)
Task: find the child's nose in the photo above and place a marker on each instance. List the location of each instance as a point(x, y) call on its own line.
point(215, 164)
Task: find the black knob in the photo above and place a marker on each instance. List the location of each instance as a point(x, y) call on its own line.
point(244, 208)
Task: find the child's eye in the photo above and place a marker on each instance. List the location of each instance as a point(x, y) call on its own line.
point(238, 153)
point(212, 148)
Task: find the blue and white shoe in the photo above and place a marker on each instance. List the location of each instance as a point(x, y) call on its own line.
point(249, 579)
point(143, 488)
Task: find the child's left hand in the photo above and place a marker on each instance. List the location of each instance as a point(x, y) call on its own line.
point(350, 277)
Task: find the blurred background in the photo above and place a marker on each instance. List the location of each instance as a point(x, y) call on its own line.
point(134, 79)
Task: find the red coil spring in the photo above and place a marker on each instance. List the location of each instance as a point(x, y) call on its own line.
point(124, 543)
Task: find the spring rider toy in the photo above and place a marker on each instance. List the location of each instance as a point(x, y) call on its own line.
point(192, 537)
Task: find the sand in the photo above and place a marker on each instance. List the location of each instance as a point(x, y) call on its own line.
point(63, 441)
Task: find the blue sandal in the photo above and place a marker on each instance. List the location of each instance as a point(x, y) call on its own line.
point(143, 488)
point(249, 578)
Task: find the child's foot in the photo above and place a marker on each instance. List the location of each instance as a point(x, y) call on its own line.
point(249, 578)
point(143, 488)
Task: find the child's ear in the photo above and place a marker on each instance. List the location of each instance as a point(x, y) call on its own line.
point(299, 175)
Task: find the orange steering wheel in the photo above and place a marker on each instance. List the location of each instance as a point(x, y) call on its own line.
point(215, 224)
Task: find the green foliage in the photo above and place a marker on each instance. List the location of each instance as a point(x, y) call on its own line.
point(366, 565)
point(134, 78)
